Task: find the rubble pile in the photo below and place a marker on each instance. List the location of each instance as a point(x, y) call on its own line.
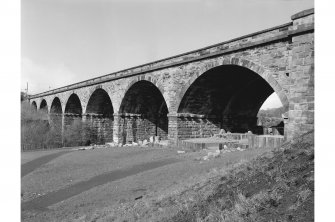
point(215, 153)
point(153, 141)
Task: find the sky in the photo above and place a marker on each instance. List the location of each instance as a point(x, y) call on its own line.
point(67, 41)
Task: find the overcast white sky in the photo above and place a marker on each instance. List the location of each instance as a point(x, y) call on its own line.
point(66, 41)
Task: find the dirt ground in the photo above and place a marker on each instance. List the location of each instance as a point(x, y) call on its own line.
point(78, 170)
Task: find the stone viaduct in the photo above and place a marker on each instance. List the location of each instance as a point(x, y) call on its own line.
point(199, 92)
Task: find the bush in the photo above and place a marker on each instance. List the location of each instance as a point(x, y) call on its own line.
point(38, 133)
point(73, 133)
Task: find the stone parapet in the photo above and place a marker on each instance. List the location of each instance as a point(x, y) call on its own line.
point(258, 38)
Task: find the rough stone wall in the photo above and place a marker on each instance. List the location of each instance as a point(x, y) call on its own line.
point(162, 128)
point(194, 127)
point(301, 91)
point(240, 124)
point(133, 129)
point(282, 56)
point(97, 130)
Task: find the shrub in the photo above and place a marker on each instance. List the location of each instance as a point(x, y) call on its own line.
point(38, 133)
point(74, 133)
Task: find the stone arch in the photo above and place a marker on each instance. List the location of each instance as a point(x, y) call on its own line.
point(55, 120)
point(34, 104)
point(72, 123)
point(44, 106)
point(99, 102)
point(63, 97)
point(99, 117)
point(144, 112)
point(225, 94)
point(148, 79)
point(73, 105)
point(56, 106)
point(246, 64)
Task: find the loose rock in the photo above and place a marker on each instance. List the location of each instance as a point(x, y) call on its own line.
point(145, 143)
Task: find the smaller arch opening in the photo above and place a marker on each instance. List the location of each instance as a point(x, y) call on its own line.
point(56, 106)
point(100, 103)
point(73, 105)
point(99, 118)
point(73, 126)
point(34, 105)
point(55, 118)
point(44, 106)
point(144, 113)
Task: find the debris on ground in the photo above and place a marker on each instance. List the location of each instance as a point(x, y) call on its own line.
point(145, 143)
point(153, 140)
point(86, 148)
point(215, 153)
point(112, 144)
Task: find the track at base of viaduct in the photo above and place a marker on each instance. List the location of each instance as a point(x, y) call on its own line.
point(196, 93)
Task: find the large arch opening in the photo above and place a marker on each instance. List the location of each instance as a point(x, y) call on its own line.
point(225, 97)
point(56, 121)
point(144, 113)
point(73, 129)
point(99, 118)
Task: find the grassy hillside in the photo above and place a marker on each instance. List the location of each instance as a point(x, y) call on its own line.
point(278, 186)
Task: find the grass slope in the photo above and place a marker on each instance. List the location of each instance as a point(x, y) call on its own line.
point(278, 186)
